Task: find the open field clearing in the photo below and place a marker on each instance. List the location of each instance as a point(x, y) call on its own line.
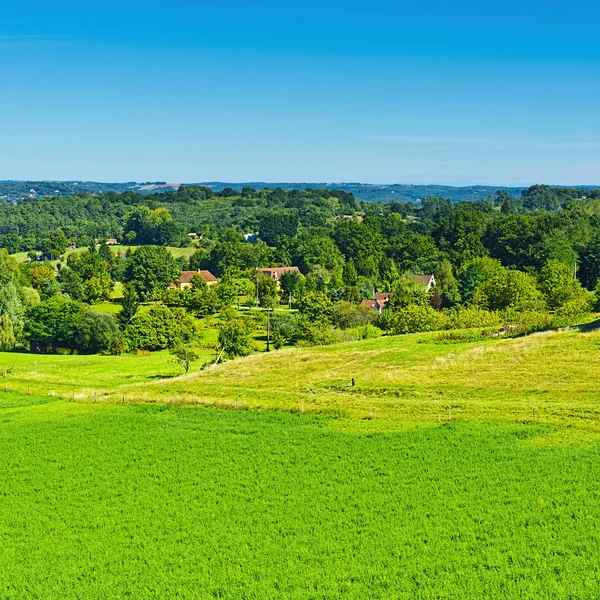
point(377, 490)
point(546, 377)
point(159, 501)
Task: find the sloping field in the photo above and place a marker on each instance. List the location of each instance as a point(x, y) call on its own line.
point(373, 492)
point(547, 377)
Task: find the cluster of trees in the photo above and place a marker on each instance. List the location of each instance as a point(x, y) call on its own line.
point(494, 261)
point(163, 218)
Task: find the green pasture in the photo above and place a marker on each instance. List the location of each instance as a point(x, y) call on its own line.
point(175, 251)
point(548, 377)
point(160, 501)
point(449, 470)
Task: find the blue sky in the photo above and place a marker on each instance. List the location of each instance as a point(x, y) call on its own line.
point(381, 92)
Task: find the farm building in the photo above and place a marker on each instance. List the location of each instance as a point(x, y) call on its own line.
point(185, 279)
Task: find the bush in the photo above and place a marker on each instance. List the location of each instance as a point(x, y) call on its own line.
point(528, 321)
point(367, 331)
point(414, 318)
point(458, 337)
point(467, 317)
point(347, 315)
point(385, 320)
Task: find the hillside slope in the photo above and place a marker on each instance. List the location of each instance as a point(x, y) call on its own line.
point(550, 377)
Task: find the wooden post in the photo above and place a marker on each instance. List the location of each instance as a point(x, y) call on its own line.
point(123, 398)
point(450, 413)
point(95, 396)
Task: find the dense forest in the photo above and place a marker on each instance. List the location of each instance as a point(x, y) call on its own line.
point(532, 259)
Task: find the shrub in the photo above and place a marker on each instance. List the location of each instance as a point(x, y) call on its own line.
point(414, 318)
point(367, 331)
point(467, 317)
point(347, 315)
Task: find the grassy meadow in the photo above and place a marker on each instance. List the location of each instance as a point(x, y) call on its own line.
point(449, 470)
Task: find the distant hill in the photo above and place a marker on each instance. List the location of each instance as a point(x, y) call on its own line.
point(15, 190)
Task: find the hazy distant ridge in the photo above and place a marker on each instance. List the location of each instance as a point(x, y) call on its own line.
point(14, 190)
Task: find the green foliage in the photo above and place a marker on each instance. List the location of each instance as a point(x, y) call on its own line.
point(466, 317)
point(150, 269)
point(347, 315)
point(129, 305)
point(7, 334)
point(234, 338)
point(184, 355)
point(53, 324)
point(476, 273)
point(446, 284)
point(316, 306)
point(367, 331)
point(95, 333)
point(276, 223)
point(415, 317)
point(510, 290)
point(409, 292)
point(159, 328)
point(558, 286)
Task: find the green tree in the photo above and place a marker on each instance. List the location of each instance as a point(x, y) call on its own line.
point(446, 284)
point(129, 305)
point(316, 306)
point(510, 290)
point(409, 291)
point(234, 338)
point(558, 285)
point(150, 269)
point(476, 273)
point(95, 332)
point(183, 355)
point(7, 334)
point(53, 323)
point(160, 328)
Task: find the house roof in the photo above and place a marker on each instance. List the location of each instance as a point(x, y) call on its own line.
point(186, 276)
point(277, 272)
point(426, 280)
point(383, 297)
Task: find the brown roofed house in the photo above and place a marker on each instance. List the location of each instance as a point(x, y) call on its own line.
point(427, 280)
point(185, 279)
point(379, 302)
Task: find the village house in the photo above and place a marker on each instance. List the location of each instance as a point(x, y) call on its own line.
point(185, 279)
point(381, 299)
point(111, 241)
point(276, 272)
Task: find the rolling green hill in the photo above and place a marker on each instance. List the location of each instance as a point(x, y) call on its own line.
point(369, 491)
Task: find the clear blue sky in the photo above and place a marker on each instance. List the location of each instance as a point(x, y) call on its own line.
point(275, 90)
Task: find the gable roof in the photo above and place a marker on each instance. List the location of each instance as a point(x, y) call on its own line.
point(426, 280)
point(186, 276)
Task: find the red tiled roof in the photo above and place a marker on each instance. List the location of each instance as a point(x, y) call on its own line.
point(186, 276)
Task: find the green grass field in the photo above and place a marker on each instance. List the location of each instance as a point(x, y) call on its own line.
point(322, 490)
